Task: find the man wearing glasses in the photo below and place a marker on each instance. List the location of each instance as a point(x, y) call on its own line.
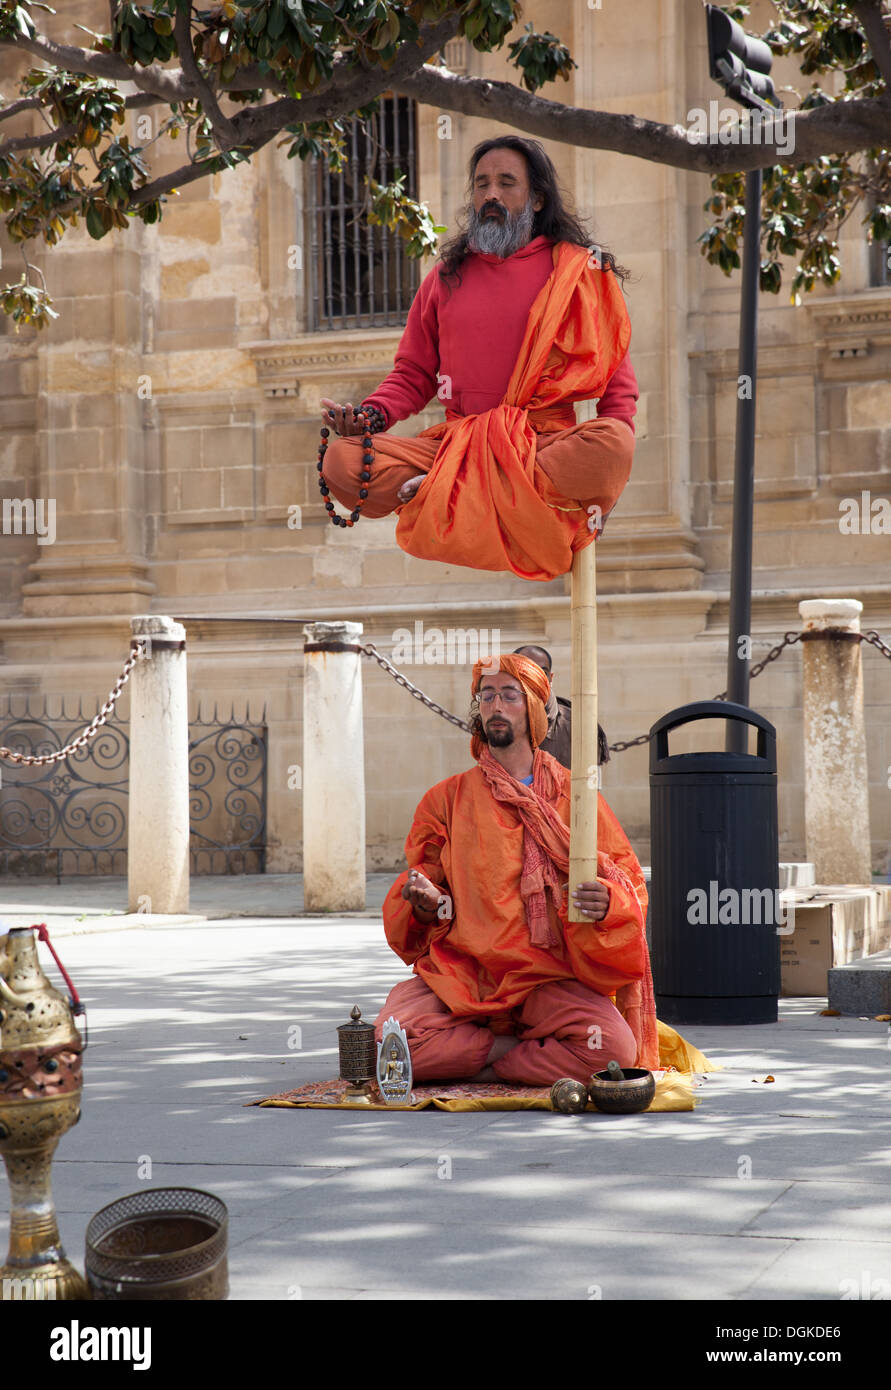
point(505, 987)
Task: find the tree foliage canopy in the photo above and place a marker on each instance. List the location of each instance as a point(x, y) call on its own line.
point(227, 78)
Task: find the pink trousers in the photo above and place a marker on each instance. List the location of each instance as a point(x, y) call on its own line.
point(564, 1028)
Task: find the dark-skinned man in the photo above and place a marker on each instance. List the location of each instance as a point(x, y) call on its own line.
point(559, 711)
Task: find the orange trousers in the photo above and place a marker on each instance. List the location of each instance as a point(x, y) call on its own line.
point(588, 463)
point(564, 1029)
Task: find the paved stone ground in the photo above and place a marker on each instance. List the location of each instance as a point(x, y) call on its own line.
point(93, 904)
point(767, 1191)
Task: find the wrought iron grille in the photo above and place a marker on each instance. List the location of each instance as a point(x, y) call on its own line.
point(71, 818)
point(359, 275)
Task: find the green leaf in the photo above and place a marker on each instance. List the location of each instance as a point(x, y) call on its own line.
point(95, 225)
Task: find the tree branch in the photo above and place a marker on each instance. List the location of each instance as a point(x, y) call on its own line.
point(68, 131)
point(223, 128)
point(23, 104)
point(871, 16)
point(348, 87)
point(191, 172)
point(162, 82)
point(258, 125)
point(839, 128)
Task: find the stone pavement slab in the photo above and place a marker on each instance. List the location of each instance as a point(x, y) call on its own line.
point(772, 1190)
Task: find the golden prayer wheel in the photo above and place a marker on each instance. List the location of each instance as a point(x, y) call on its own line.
point(358, 1058)
point(40, 1086)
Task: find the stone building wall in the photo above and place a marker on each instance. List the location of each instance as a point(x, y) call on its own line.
point(173, 411)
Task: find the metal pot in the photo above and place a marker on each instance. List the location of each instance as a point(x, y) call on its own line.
point(622, 1097)
point(161, 1244)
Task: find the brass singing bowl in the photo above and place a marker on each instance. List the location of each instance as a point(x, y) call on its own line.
point(622, 1097)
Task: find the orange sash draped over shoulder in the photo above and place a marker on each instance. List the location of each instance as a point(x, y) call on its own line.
point(485, 503)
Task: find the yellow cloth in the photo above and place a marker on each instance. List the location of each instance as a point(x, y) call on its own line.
point(675, 1051)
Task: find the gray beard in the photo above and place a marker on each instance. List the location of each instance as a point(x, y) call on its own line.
point(496, 236)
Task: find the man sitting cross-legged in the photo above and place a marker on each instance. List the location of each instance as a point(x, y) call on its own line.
point(522, 317)
point(505, 987)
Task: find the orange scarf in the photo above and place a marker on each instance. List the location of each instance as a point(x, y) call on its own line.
point(545, 837)
point(485, 503)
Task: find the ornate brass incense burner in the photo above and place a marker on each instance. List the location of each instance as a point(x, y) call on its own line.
point(40, 1085)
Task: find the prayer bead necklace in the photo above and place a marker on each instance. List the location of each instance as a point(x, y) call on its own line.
point(374, 423)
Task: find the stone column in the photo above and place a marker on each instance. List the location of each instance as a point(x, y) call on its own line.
point(333, 770)
point(836, 790)
point(158, 830)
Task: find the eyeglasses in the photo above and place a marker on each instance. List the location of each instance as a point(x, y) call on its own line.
point(508, 697)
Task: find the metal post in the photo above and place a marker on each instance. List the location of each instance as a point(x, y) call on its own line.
point(738, 659)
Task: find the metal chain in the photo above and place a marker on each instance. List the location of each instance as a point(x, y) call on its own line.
point(369, 649)
point(39, 760)
point(789, 640)
point(875, 640)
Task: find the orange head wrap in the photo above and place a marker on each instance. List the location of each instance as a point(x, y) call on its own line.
point(535, 684)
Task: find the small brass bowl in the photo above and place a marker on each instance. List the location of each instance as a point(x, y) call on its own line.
point(622, 1097)
point(568, 1096)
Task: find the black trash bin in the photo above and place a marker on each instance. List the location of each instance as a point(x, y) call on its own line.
point(715, 875)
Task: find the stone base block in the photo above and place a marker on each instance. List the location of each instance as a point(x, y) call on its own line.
point(862, 986)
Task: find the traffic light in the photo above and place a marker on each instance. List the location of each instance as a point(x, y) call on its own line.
point(739, 62)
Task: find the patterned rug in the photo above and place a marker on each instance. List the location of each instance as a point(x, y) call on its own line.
point(674, 1091)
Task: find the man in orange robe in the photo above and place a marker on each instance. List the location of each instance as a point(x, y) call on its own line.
point(505, 987)
point(518, 321)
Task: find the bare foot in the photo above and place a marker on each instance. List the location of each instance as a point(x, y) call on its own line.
point(502, 1043)
point(408, 490)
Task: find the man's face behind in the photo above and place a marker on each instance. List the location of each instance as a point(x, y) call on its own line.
point(503, 710)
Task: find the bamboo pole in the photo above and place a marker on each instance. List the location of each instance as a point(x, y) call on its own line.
point(584, 771)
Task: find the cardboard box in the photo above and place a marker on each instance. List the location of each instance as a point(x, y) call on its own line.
point(834, 924)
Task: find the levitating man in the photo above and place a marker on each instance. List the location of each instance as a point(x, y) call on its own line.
point(521, 317)
point(505, 987)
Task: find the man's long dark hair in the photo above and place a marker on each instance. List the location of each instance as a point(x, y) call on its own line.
point(552, 220)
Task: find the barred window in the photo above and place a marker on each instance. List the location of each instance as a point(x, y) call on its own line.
point(360, 276)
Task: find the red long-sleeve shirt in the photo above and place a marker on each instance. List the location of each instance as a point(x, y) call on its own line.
point(461, 341)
